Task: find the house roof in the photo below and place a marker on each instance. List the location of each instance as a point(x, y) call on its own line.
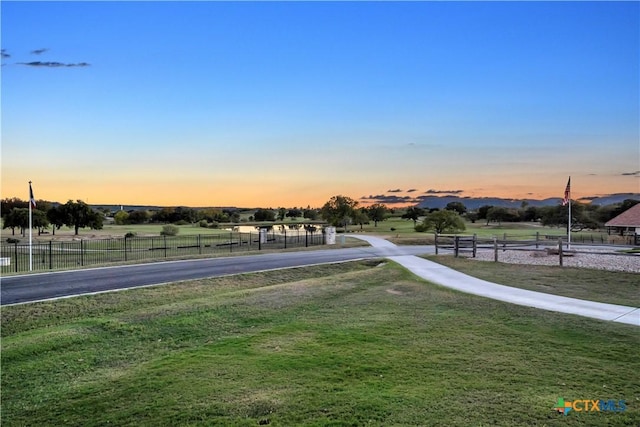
point(628, 218)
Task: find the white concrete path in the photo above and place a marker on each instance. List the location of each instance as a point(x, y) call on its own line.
point(449, 278)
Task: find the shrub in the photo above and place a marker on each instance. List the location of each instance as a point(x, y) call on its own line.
point(12, 240)
point(129, 235)
point(203, 224)
point(213, 224)
point(169, 230)
point(180, 222)
point(420, 228)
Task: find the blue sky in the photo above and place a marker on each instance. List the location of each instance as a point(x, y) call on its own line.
point(290, 103)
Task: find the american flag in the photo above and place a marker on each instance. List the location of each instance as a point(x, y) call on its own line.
point(567, 193)
point(32, 199)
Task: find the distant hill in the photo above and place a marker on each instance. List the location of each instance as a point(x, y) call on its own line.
point(473, 203)
point(612, 198)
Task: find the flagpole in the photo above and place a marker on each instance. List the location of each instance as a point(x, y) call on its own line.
point(569, 229)
point(30, 228)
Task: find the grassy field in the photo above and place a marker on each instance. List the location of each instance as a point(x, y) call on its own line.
point(348, 344)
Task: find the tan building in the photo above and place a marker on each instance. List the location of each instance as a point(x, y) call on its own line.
point(627, 223)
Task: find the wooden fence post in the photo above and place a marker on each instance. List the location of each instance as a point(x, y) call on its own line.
point(456, 243)
point(560, 250)
point(475, 244)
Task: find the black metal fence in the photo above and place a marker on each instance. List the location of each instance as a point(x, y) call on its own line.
point(53, 255)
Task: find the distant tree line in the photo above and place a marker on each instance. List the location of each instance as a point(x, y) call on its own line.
point(341, 211)
point(583, 216)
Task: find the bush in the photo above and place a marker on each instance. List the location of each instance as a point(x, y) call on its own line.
point(169, 230)
point(129, 235)
point(203, 224)
point(180, 222)
point(12, 240)
point(420, 228)
point(213, 224)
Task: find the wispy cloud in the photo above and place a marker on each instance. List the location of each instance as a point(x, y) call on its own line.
point(432, 191)
point(389, 200)
point(53, 64)
point(397, 190)
point(39, 51)
point(412, 190)
point(636, 173)
point(5, 54)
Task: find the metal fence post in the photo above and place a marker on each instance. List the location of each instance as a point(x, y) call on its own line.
point(50, 255)
point(82, 252)
point(456, 243)
point(15, 250)
point(495, 249)
point(435, 241)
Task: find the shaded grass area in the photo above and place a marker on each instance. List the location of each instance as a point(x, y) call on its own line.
point(590, 284)
point(347, 344)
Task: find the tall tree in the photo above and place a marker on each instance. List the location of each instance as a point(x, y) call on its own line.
point(56, 217)
point(294, 213)
point(264, 215)
point(339, 211)
point(377, 213)
point(457, 207)
point(360, 217)
point(414, 213)
point(443, 221)
point(16, 218)
point(79, 215)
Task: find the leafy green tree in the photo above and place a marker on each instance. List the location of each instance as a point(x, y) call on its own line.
point(282, 212)
point(294, 213)
point(457, 207)
point(80, 215)
point(414, 213)
point(309, 213)
point(121, 217)
point(16, 218)
point(377, 213)
point(443, 222)
point(56, 218)
point(471, 216)
point(483, 210)
point(138, 217)
point(339, 211)
point(39, 220)
point(361, 217)
point(264, 215)
point(19, 218)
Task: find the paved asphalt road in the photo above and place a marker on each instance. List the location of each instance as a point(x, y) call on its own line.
point(42, 286)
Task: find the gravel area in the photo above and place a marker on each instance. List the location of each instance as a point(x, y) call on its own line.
point(593, 259)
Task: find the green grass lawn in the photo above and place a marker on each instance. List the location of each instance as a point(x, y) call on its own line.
point(346, 344)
